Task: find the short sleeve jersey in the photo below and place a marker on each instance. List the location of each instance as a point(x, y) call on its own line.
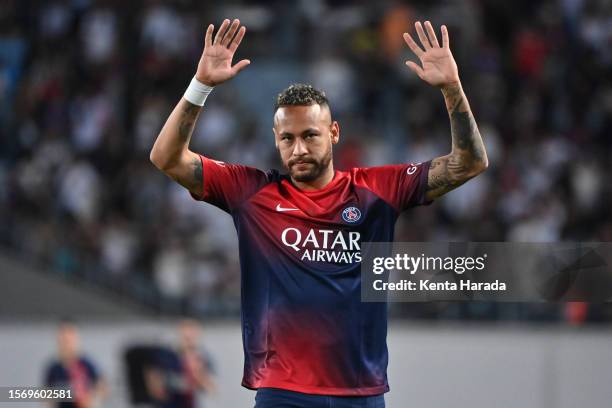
point(80, 377)
point(304, 327)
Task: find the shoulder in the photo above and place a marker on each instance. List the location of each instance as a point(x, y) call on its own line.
point(54, 372)
point(385, 172)
point(54, 366)
point(85, 360)
point(89, 365)
point(385, 168)
point(401, 185)
point(274, 176)
point(364, 175)
point(270, 179)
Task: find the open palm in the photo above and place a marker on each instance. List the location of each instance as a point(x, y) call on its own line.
point(215, 65)
point(438, 65)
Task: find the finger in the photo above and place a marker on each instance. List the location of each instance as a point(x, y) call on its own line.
point(415, 68)
point(240, 66)
point(236, 42)
point(221, 31)
point(413, 45)
point(208, 36)
point(422, 36)
point(445, 40)
point(431, 33)
point(230, 33)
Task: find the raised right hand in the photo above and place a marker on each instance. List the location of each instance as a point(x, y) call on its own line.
point(215, 65)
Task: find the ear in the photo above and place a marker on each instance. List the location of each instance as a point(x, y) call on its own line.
point(335, 132)
point(275, 137)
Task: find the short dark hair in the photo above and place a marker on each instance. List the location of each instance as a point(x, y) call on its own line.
point(300, 95)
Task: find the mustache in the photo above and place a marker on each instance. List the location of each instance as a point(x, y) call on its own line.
point(293, 162)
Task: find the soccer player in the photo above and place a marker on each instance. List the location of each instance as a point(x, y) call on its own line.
point(177, 376)
point(308, 339)
point(74, 371)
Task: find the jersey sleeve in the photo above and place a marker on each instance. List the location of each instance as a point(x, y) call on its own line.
point(51, 376)
point(228, 185)
point(402, 186)
point(92, 371)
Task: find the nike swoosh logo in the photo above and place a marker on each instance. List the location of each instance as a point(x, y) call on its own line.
point(281, 209)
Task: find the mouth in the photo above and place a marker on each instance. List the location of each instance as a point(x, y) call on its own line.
point(301, 163)
point(301, 168)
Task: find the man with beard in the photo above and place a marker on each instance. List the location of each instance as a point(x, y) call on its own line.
point(308, 339)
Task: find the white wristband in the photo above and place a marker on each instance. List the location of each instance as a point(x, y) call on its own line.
point(197, 92)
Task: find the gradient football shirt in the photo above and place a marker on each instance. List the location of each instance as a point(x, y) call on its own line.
point(304, 327)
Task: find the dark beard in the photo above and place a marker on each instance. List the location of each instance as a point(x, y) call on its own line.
point(318, 167)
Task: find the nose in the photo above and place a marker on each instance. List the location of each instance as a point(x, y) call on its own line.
point(299, 149)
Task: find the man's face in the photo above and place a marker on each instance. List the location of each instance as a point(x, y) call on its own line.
point(304, 136)
point(189, 333)
point(68, 341)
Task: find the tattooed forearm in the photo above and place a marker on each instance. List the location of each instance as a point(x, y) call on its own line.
point(468, 157)
point(189, 115)
point(464, 130)
point(453, 98)
point(171, 153)
point(173, 139)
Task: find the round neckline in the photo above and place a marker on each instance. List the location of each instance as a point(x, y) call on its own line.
point(328, 186)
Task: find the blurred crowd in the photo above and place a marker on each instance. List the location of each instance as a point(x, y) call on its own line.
point(86, 85)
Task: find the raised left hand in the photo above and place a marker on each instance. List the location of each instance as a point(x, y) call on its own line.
point(438, 65)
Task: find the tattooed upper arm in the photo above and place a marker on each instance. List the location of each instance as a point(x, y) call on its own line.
point(445, 173)
point(188, 172)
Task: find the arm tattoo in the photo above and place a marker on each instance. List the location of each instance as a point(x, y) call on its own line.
point(468, 156)
point(189, 115)
point(197, 171)
point(193, 183)
point(439, 178)
point(188, 175)
point(445, 174)
point(465, 134)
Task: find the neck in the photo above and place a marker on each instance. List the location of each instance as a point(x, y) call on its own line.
point(324, 179)
point(68, 358)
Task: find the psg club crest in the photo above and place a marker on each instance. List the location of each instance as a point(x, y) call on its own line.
point(351, 215)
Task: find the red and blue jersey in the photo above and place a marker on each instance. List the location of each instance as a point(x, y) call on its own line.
point(304, 326)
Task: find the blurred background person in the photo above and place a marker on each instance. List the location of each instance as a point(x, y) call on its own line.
point(178, 377)
point(72, 370)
